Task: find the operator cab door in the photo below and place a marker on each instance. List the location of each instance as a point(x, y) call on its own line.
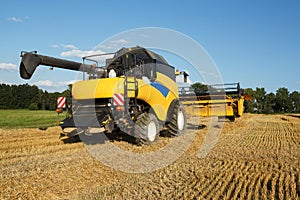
point(149, 70)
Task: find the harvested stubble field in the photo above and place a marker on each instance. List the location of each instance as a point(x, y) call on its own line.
point(256, 157)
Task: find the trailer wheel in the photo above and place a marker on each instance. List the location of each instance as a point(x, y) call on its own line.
point(177, 124)
point(146, 129)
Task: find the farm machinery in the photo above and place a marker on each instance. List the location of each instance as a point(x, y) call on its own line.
point(221, 100)
point(134, 93)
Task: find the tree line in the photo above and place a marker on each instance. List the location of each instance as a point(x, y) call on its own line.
point(28, 97)
point(283, 101)
point(31, 97)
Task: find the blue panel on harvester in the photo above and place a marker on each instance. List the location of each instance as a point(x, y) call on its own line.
point(160, 88)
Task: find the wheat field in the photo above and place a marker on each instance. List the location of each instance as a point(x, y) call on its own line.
point(256, 157)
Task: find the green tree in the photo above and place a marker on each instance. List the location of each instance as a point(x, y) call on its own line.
point(27, 97)
point(282, 102)
point(40, 101)
point(46, 100)
point(5, 96)
point(269, 103)
point(199, 88)
point(295, 101)
point(33, 106)
point(260, 95)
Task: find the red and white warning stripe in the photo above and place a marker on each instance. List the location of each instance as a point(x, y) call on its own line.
point(61, 102)
point(118, 99)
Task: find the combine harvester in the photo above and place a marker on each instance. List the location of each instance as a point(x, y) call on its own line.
point(134, 93)
point(221, 100)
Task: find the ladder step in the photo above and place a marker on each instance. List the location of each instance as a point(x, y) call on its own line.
point(130, 86)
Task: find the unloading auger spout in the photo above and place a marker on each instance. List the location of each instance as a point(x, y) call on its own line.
point(31, 60)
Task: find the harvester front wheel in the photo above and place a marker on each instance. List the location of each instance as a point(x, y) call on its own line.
point(146, 129)
point(177, 124)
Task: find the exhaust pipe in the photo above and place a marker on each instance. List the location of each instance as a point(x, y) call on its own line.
point(31, 60)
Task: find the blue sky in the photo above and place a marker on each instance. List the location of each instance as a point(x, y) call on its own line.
point(256, 43)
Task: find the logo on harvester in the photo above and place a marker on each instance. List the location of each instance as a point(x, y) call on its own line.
point(61, 102)
point(118, 99)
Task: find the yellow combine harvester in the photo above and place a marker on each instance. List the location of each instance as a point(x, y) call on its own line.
point(135, 92)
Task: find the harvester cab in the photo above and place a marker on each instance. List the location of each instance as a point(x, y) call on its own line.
point(134, 92)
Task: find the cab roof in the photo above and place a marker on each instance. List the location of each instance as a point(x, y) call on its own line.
point(141, 52)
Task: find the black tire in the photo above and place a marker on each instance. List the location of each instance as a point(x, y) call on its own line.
point(231, 118)
point(146, 129)
point(177, 124)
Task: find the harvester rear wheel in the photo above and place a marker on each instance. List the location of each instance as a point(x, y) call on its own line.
point(146, 129)
point(177, 124)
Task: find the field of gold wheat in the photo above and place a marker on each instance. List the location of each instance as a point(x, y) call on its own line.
point(255, 157)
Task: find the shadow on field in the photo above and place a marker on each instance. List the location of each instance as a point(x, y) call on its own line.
point(195, 126)
point(99, 138)
point(296, 116)
point(43, 128)
point(70, 140)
